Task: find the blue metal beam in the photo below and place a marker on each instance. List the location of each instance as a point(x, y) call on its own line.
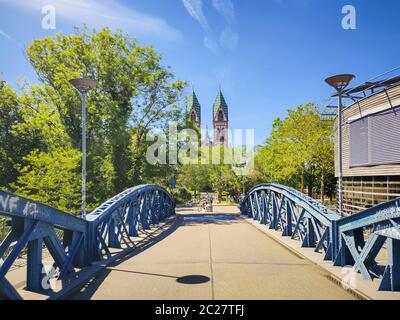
point(83, 241)
point(342, 239)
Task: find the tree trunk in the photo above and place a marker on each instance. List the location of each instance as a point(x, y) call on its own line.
point(322, 191)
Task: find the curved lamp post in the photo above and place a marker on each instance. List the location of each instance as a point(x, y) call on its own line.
point(83, 86)
point(340, 82)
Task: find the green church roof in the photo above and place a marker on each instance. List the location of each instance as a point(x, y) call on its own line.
point(220, 103)
point(194, 104)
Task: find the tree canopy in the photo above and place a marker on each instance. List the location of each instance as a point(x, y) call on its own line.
point(41, 127)
point(298, 152)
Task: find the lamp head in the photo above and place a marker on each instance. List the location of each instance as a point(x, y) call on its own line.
point(83, 85)
point(340, 81)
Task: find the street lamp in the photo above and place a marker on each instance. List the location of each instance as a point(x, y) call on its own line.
point(83, 86)
point(340, 82)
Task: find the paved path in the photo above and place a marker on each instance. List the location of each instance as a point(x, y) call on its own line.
point(236, 260)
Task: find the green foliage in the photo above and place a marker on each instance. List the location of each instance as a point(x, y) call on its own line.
point(182, 196)
point(9, 147)
point(51, 177)
point(220, 178)
point(223, 179)
point(134, 91)
point(41, 128)
point(194, 177)
point(298, 152)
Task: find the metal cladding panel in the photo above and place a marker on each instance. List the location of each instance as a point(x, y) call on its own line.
point(375, 139)
point(385, 137)
point(368, 106)
point(359, 142)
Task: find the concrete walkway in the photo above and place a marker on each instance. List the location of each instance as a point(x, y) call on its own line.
point(218, 256)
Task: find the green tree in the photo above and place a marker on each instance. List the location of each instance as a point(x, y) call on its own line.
point(298, 152)
point(9, 144)
point(194, 177)
point(51, 177)
point(224, 180)
point(135, 93)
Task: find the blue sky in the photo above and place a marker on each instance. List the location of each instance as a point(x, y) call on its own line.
point(268, 55)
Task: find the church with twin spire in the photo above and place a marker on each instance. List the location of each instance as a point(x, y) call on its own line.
point(220, 119)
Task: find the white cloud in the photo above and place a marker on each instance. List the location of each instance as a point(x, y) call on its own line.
point(211, 44)
point(9, 38)
point(195, 9)
point(229, 39)
point(98, 14)
point(226, 9)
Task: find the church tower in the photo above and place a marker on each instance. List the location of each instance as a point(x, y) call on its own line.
point(194, 110)
point(220, 120)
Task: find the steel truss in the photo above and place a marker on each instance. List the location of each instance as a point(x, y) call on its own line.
point(82, 242)
point(351, 241)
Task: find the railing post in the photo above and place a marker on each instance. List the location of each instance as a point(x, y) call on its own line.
point(331, 242)
point(144, 213)
point(287, 231)
point(113, 234)
point(258, 208)
point(343, 257)
point(309, 240)
point(34, 265)
point(391, 276)
point(274, 215)
point(132, 218)
point(265, 208)
point(80, 260)
point(154, 217)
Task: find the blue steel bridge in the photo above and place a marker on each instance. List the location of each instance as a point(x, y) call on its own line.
point(101, 257)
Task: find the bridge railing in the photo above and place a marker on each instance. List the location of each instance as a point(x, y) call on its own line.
point(354, 241)
point(120, 218)
point(365, 235)
point(295, 214)
point(72, 241)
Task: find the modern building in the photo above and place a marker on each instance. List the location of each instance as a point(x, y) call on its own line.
point(220, 119)
point(371, 145)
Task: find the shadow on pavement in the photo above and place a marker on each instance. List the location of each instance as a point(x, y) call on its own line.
point(218, 219)
point(88, 290)
point(185, 220)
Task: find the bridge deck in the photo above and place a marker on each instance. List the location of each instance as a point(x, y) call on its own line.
point(240, 261)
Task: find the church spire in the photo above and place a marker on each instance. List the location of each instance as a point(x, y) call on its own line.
point(221, 122)
point(194, 109)
point(220, 104)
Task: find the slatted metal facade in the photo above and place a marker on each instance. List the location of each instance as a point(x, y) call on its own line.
point(373, 139)
point(371, 150)
point(359, 142)
point(383, 131)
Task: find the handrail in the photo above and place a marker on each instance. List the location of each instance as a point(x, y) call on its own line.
point(354, 240)
point(295, 214)
point(84, 241)
point(12, 205)
point(362, 236)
